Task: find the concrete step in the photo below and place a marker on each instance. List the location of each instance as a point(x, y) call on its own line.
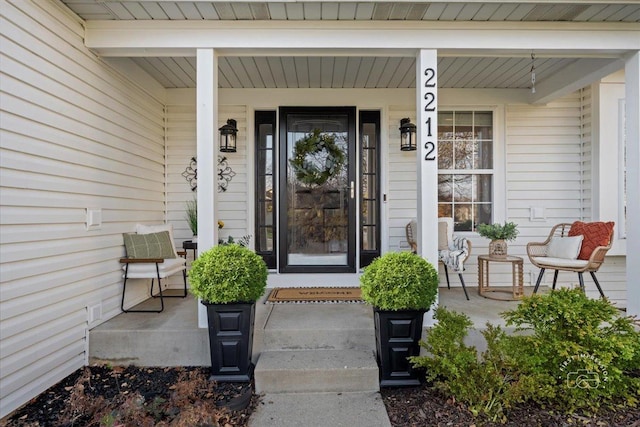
point(365, 409)
point(319, 326)
point(345, 370)
point(170, 338)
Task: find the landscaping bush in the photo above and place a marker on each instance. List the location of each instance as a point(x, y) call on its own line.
point(591, 351)
point(400, 281)
point(575, 354)
point(489, 384)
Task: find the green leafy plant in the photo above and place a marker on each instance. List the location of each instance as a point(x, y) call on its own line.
point(591, 351)
point(242, 241)
point(570, 352)
point(508, 231)
point(228, 274)
point(400, 281)
point(191, 215)
point(490, 383)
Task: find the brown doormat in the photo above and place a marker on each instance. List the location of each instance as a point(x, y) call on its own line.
point(315, 295)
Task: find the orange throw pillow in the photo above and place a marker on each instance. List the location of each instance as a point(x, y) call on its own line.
point(594, 234)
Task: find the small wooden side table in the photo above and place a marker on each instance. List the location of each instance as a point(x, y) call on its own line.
point(500, 293)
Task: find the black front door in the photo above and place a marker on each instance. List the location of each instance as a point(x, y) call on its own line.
point(317, 189)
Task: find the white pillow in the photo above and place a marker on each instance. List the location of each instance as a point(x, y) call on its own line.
point(565, 247)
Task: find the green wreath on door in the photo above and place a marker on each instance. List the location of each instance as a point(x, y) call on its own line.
point(308, 155)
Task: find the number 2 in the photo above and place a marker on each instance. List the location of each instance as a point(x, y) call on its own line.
point(431, 148)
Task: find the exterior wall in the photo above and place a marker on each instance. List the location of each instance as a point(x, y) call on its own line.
point(75, 134)
point(233, 204)
point(542, 160)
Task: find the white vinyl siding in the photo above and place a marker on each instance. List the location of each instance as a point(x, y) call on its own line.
point(233, 204)
point(401, 179)
point(75, 134)
point(549, 166)
point(586, 102)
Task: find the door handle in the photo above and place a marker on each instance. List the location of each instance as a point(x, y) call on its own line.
point(353, 190)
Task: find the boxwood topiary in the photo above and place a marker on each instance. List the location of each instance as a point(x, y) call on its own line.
point(400, 281)
point(228, 274)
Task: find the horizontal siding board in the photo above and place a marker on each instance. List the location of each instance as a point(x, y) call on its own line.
point(71, 55)
point(61, 110)
point(32, 371)
point(40, 349)
point(75, 133)
point(96, 103)
point(107, 134)
point(85, 173)
point(43, 132)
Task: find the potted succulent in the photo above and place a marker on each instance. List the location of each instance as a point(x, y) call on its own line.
point(229, 280)
point(401, 287)
point(191, 215)
point(499, 235)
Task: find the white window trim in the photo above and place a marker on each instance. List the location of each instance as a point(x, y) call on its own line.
point(499, 195)
point(607, 160)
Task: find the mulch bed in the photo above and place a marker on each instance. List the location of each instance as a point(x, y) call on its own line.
point(421, 406)
point(119, 396)
point(125, 396)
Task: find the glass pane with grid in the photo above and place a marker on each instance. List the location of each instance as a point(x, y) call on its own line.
point(465, 163)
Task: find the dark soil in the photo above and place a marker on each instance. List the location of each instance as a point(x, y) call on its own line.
point(104, 396)
point(421, 406)
point(117, 396)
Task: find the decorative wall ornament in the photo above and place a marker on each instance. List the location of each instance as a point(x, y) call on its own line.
point(225, 174)
point(191, 174)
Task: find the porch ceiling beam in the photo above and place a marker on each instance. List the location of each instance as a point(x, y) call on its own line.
point(573, 77)
point(110, 37)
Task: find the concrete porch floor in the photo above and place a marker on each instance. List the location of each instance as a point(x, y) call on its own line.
point(172, 338)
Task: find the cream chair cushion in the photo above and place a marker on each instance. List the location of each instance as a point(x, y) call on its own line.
point(445, 233)
point(564, 247)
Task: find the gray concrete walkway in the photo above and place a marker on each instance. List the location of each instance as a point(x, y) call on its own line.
point(337, 396)
point(364, 409)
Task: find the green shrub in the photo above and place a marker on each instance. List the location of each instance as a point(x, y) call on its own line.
point(400, 281)
point(591, 351)
point(488, 384)
point(228, 274)
point(574, 353)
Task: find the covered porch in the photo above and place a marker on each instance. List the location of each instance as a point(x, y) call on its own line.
point(105, 103)
point(173, 338)
point(526, 85)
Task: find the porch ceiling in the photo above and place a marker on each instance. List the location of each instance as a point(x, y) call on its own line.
point(296, 70)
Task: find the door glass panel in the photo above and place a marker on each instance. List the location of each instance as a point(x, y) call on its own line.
point(318, 189)
point(265, 186)
point(369, 178)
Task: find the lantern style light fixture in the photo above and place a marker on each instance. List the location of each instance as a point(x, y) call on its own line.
point(407, 135)
point(228, 135)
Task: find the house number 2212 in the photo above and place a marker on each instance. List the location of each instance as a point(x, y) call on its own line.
point(430, 109)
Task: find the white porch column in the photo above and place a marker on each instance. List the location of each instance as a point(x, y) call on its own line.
point(632, 122)
point(427, 149)
point(207, 152)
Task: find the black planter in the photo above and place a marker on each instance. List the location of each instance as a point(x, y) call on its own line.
point(397, 337)
point(231, 341)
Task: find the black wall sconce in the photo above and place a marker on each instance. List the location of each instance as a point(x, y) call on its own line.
point(407, 135)
point(228, 135)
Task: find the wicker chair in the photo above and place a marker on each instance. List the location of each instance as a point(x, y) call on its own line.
point(538, 255)
point(453, 250)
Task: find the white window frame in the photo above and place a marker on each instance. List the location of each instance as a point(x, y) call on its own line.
point(499, 190)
